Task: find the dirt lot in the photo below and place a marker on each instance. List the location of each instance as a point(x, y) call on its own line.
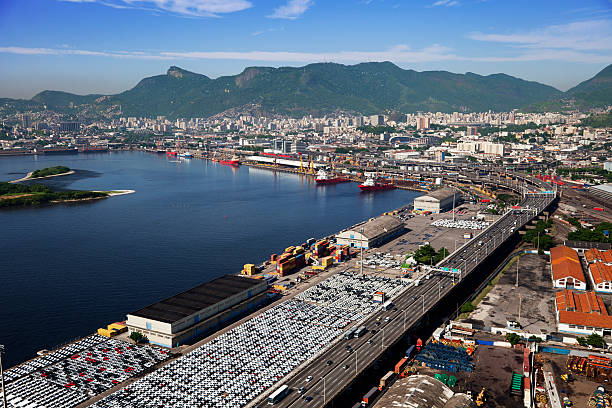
point(493, 371)
point(535, 289)
point(579, 390)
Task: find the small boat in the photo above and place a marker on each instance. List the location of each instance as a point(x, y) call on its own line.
point(371, 185)
point(186, 155)
point(323, 178)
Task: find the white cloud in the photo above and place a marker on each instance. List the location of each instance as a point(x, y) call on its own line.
point(446, 3)
point(594, 35)
point(292, 10)
point(399, 54)
point(191, 8)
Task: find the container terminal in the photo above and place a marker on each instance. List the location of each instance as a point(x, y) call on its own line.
point(282, 323)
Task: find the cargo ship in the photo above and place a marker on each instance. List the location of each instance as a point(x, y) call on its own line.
point(234, 161)
point(93, 149)
point(379, 185)
point(57, 150)
point(324, 178)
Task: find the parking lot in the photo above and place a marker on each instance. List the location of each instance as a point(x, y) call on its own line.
point(242, 363)
point(78, 371)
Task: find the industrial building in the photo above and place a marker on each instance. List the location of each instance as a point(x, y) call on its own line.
point(173, 321)
point(374, 232)
point(602, 191)
point(566, 270)
point(422, 391)
point(582, 313)
point(438, 201)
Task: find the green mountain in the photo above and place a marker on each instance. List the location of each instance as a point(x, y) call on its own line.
point(366, 88)
point(594, 92)
point(322, 88)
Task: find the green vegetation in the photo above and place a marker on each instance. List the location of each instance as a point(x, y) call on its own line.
point(427, 255)
point(598, 121)
point(467, 307)
point(594, 340)
point(592, 235)
point(137, 337)
point(49, 171)
point(513, 338)
point(368, 88)
point(538, 237)
point(585, 172)
point(19, 195)
point(345, 150)
point(377, 130)
point(534, 339)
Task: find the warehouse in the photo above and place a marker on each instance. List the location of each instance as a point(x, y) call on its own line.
point(582, 313)
point(374, 232)
point(173, 321)
point(438, 201)
point(566, 270)
point(602, 191)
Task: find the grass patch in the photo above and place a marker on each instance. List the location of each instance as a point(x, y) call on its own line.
point(485, 291)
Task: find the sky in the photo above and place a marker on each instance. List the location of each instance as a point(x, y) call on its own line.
point(107, 46)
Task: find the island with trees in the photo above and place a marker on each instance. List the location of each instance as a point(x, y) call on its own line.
point(49, 171)
point(20, 195)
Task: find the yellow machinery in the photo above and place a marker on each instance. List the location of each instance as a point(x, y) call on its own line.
point(481, 398)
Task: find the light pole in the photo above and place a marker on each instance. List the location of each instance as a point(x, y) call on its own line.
point(404, 320)
point(356, 351)
point(324, 400)
point(361, 242)
point(423, 296)
point(2, 377)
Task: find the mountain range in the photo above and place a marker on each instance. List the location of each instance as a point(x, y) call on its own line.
point(321, 88)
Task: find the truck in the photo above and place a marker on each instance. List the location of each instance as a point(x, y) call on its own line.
point(387, 305)
point(360, 331)
point(369, 397)
point(278, 395)
point(349, 334)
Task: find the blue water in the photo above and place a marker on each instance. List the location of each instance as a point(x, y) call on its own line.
point(68, 269)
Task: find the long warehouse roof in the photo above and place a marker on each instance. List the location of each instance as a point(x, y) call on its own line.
point(193, 300)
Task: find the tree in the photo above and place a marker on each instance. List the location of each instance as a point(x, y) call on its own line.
point(137, 337)
point(596, 340)
point(513, 338)
point(467, 307)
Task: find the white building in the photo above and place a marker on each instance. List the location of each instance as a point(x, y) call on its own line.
point(566, 270)
point(374, 232)
point(437, 201)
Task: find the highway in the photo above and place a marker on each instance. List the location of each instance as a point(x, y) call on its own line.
point(336, 367)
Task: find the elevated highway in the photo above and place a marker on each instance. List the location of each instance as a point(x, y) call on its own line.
point(336, 368)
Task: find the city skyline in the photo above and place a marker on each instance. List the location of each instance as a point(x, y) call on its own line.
point(95, 46)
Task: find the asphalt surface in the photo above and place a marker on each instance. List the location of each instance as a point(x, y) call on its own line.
point(328, 379)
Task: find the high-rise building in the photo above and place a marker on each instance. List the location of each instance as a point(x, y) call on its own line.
point(25, 120)
point(377, 120)
point(70, 126)
point(422, 123)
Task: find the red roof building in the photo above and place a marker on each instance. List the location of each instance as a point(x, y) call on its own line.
point(582, 313)
point(566, 269)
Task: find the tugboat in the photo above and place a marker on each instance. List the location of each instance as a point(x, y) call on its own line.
point(371, 185)
point(324, 178)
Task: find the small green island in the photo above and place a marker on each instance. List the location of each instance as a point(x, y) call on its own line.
point(20, 195)
point(49, 171)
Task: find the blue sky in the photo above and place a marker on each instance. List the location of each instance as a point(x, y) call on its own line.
point(107, 46)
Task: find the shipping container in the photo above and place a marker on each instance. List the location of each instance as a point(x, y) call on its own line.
point(369, 397)
point(385, 380)
point(598, 209)
point(399, 367)
point(409, 351)
point(357, 405)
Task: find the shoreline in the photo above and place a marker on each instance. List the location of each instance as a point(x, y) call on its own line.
point(27, 177)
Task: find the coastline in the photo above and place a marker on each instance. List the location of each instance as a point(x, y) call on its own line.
point(27, 177)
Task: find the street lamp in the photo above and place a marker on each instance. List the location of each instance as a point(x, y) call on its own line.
point(324, 400)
